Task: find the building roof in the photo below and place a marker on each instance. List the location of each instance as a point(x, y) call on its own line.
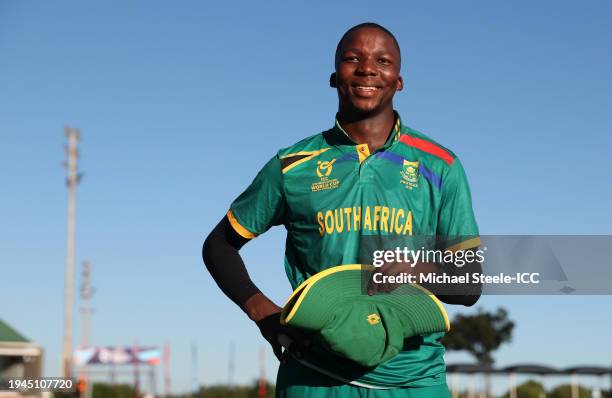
point(589, 370)
point(530, 368)
point(469, 368)
point(7, 333)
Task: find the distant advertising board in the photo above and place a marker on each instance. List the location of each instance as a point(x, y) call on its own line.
point(117, 356)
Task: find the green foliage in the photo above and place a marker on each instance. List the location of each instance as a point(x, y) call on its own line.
point(57, 394)
point(532, 389)
point(529, 389)
point(479, 334)
point(104, 390)
point(224, 391)
point(565, 391)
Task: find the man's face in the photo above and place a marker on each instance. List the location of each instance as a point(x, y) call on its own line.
point(367, 71)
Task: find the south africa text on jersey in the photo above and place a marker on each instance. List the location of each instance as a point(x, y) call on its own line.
point(372, 218)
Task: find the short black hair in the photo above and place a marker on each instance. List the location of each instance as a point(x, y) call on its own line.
point(366, 25)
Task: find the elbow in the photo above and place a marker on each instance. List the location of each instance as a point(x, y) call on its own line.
point(466, 300)
point(470, 300)
point(467, 297)
point(207, 248)
point(474, 289)
point(473, 296)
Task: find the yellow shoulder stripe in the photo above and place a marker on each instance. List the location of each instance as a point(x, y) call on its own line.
point(242, 231)
point(466, 244)
point(304, 153)
point(309, 155)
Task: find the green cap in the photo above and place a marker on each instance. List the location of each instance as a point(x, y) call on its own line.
point(366, 329)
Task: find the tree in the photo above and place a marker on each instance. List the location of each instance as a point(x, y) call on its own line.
point(529, 389)
point(225, 391)
point(480, 334)
point(104, 390)
point(565, 391)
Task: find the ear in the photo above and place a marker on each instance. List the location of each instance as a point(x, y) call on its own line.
point(332, 80)
point(400, 83)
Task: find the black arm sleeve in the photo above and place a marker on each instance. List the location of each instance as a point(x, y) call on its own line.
point(220, 254)
point(463, 294)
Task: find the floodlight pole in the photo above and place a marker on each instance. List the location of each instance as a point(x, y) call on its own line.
point(72, 182)
point(262, 391)
point(166, 362)
point(86, 294)
point(135, 351)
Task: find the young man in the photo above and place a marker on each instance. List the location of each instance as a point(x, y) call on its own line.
point(366, 182)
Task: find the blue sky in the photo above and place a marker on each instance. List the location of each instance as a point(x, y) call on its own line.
point(179, 104)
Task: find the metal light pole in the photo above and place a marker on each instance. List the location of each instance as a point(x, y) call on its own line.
point(72, 182)
point(86, 293)
point(166, 361)
point(262, 391)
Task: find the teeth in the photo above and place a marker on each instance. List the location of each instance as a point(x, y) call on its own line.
point(367, 88)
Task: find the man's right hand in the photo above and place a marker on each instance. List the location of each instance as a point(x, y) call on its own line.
point(266, 316)
point(220, 253)
point(271, 329)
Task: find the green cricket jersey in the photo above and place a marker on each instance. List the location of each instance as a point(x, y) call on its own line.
point(339, 203)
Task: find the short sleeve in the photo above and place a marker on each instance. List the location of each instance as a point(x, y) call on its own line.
point(262, 204)
point(457, 228)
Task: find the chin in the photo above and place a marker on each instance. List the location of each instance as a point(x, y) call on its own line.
point(366, 108)
point(363, 106)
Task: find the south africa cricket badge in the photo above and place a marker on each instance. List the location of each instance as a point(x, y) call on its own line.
point(410, 174)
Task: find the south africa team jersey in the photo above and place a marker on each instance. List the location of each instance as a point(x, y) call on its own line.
point(340, 203)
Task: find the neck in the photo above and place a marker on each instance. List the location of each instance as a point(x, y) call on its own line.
point(371, 129)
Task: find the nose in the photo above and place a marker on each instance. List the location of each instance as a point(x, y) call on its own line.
point(366, 67)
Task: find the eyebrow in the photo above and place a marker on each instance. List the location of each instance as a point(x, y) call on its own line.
point(350, 49)
point(386, 52)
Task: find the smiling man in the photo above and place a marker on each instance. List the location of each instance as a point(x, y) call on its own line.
point(366, 184)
